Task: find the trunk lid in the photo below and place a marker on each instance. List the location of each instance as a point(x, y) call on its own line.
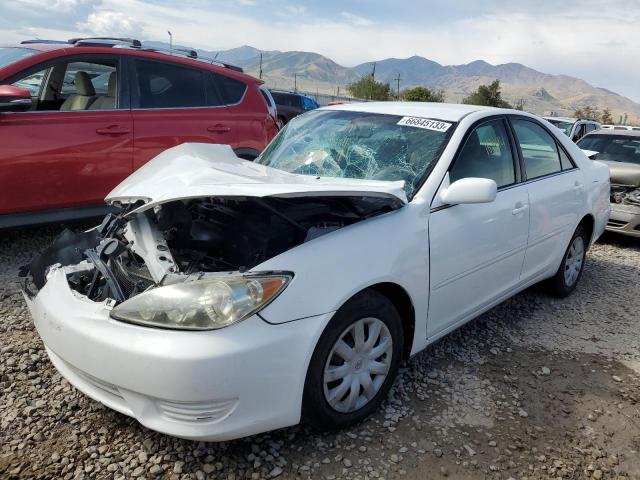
point(193, 170)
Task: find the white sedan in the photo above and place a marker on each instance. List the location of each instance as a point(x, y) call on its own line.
point(230, 298)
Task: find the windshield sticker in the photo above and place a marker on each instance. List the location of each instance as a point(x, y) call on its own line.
point(424, 123)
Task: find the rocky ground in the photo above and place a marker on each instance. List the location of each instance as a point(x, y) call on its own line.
point(535, 388)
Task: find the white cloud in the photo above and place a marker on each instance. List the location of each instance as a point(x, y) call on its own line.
point(356, 20)
point(586, 38)
point(51, 5)
point(110, 23)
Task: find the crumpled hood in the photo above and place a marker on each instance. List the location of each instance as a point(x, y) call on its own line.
point(622, 173)
point(193, 170)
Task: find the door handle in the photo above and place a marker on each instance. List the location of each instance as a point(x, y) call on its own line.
point(519, 208)
point(112, 130)
point(218, 128)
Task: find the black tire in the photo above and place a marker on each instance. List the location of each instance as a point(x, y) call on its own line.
point(316, 410)
point(558, 285)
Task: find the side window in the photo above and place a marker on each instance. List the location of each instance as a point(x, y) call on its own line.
point(33, 82)
point(486, 154)
point(590, 127)
point(98, 74)
point(539, 149)
point(565, 161)
point(579, 133)
point(165, 85)
point(232, 90)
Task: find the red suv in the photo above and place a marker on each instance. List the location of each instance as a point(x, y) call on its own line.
point(78, 117)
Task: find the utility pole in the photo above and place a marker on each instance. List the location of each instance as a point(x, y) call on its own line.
point(170, 40)
point(398, 83)
point(260, 65)
point(338, 92)
point(295, 82)
point(373, 81)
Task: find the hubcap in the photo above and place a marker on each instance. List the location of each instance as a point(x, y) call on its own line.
point(358, 365)
point(573, 263)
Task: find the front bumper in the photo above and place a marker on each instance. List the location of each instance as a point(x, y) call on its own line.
point(215, 385)
point(624, 219)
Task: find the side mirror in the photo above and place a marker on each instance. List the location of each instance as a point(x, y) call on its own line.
point(470, 190)
point(14, 99)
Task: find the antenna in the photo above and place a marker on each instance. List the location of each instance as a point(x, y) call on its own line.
point(170, 40)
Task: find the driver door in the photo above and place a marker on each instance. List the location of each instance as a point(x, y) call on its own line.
point(52, 157)
point(477, 250)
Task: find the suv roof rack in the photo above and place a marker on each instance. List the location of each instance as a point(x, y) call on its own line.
point(105, 42)
point(193, 54)
point(133, 43)
point(36, 40)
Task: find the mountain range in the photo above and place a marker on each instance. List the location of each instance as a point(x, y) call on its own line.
point(541, 93)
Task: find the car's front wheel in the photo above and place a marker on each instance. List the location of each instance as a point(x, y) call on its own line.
point(567, 277)
point(354, 363)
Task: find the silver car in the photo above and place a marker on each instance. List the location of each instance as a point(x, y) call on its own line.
point(620, 150)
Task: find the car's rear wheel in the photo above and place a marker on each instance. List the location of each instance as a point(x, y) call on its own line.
point(568, 275)
point(354, 363)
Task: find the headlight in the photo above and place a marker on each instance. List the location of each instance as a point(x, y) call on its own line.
point(205, 304)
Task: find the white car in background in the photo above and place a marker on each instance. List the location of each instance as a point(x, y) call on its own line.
point(230, 297)
point(574, 128)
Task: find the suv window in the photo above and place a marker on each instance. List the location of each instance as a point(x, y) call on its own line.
point(33, 82)
point(486, 154)
point(539, 149)
point(232, 90)
point(98, 73)
point(166, 85)
point(590, 127)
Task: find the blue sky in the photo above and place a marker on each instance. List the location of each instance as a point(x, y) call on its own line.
point(592, 39)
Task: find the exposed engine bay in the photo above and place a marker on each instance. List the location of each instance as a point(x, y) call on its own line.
point(131, 252)
point(625, 195)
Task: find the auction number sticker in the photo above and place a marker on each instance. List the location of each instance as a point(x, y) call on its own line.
point(425, 123)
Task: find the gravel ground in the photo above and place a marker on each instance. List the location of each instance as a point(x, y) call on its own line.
point(535, 388)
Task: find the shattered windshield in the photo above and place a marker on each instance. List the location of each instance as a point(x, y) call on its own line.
point(358, 145)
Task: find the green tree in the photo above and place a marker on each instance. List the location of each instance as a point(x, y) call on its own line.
point(422, 94)
point(588, 112)
point(487, 95)
point(367, 87)
point(606, 117)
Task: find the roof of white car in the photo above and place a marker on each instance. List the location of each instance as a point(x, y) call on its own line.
point(562, 119)
point(440, 111)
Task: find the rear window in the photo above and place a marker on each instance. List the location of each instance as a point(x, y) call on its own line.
point(232, 90)
point(613, 148)
point(9, 55)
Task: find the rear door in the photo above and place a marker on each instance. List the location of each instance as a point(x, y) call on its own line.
point(173, 104)
point(556, 194)
point(52, 158)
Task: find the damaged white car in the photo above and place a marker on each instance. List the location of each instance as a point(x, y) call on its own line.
point(229, 298)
